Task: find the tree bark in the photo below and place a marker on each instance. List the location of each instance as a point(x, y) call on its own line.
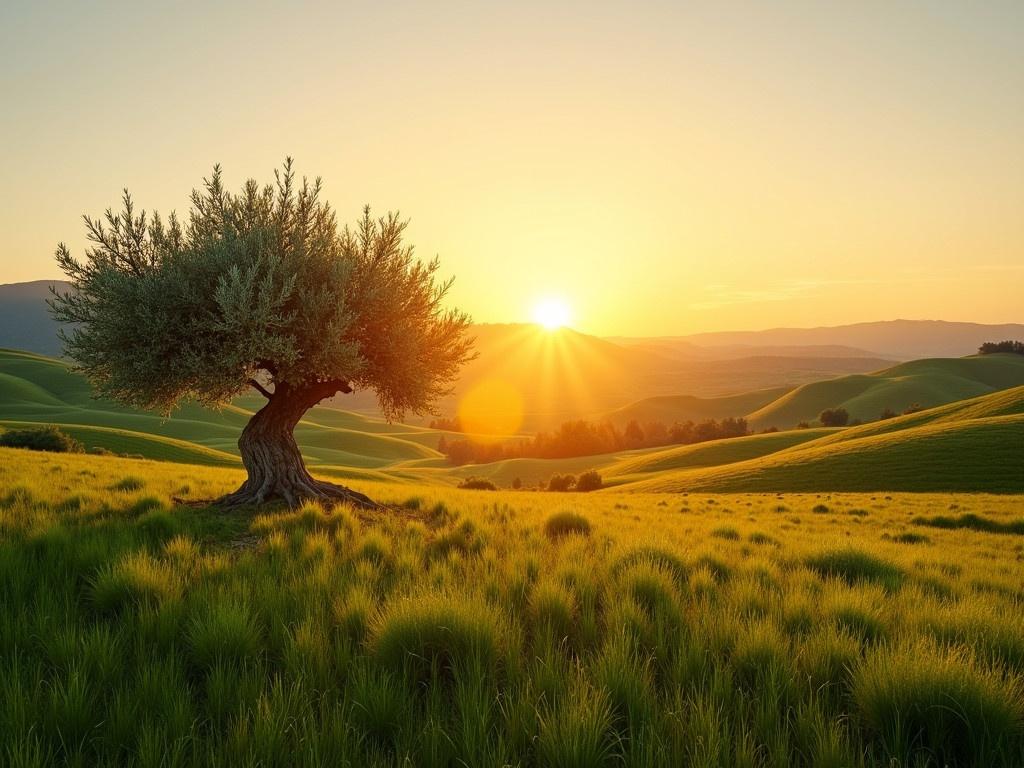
point(273, 460)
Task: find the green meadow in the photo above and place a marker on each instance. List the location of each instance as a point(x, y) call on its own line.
point(781, 599)
point(501, 628)
point(969, 445)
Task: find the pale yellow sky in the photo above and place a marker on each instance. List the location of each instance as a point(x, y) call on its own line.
point(664, 167)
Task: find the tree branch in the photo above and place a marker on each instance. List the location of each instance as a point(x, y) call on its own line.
point(261, 389)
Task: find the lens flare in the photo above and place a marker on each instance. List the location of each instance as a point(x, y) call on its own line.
point(491, 410)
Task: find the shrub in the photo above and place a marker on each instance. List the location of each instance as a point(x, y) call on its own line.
point(47, 438)
point(589, 481)
point(820, 509)
point(561, 483)
point(128, 484)
point(834, 417)
point(565, 523)
point(477, 484)
point(909, 537)
point(853, 566)
point(726, 532)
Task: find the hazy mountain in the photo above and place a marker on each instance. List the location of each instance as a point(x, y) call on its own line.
point(567, 374)
point(25, 321)
point(680, 347)
point(900, 339)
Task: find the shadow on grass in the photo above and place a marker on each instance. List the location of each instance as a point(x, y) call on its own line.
point(971, 522)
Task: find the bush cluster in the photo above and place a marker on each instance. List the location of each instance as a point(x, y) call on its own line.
point(588, 481)
point(47, 438)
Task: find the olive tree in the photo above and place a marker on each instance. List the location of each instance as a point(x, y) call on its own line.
point(262, 290)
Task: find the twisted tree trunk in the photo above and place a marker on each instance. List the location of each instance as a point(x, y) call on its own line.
point(273, 460)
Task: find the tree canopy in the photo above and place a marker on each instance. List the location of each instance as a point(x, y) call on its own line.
point(256, 289)
point(260, 289)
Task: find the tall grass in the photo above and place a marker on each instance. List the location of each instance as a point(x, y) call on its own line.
point(470, 629)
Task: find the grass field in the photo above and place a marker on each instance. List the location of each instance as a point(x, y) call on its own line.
point(513, 628)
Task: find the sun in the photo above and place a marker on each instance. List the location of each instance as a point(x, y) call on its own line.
point(552, 313)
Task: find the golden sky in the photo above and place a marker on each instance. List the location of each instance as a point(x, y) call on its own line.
point(664, 167)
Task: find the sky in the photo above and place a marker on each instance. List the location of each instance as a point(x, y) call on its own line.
point(660, 167)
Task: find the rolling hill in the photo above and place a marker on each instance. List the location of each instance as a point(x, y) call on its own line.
point(673, 408)
point(927, 383)
point(972, 444)
point(38, 389)
point(559, 375)
point(976, 446)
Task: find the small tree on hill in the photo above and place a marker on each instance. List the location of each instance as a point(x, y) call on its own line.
point(834, 417)
point(561, 483)
point(589, 481)
point(260, 290)
point(1008, 346)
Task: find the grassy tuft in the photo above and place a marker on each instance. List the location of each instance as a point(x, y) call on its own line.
point(223, 631)
point(436, 634)
point(565, 524)
point(854, 566)
point(924, 702)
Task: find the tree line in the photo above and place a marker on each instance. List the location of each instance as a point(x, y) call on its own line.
point(993, 347)
point(587, 438)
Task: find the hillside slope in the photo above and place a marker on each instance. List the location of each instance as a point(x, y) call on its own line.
point(975, 445)
point(980, 455)
point(672, 408)
point(38, 389)
point(927, 383)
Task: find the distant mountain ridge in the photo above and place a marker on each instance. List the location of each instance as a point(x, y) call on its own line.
point(567, 374)
point(896, 339)
point(25, 321)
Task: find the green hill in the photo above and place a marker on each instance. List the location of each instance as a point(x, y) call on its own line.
point(1007, 402)
point(672, 408)
point(975, 455)
point(927, 383)
point(711, 454)
point(38, 389)
point(972, 444)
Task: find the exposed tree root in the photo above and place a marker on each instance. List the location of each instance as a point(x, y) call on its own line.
point(296, 491)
